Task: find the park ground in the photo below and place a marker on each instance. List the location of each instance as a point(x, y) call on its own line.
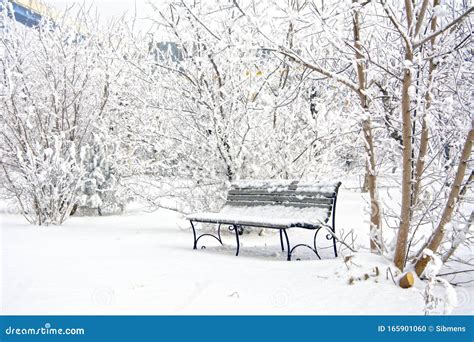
point(143, 263)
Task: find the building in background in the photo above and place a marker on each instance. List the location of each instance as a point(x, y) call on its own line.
point(27, 12)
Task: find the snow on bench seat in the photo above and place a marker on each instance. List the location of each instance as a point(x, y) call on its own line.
point(271, 216)
point(273, 186)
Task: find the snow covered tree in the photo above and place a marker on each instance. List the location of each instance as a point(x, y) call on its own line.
point(240, 110)
point(329, 54)
point(430, 38)
point(426, 43)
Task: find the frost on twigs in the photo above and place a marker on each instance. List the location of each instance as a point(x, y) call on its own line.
point(439, 295)
point(100, 188)
point(59, 84)
point(359, 269)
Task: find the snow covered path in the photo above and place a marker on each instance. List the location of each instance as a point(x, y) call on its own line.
point(144, 264)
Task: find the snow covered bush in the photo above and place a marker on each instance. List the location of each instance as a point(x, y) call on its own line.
point(45, 179)
point(53, 90)
point(99, 187)
point(440, 297)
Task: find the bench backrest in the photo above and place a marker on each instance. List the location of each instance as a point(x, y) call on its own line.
point(292, 193)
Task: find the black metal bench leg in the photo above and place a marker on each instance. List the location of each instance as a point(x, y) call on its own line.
point(334, 222)
point(315, 250)
point(334, 245)
point(288, 257)
point(281, 241)
point(236, 230)
point(194, 235)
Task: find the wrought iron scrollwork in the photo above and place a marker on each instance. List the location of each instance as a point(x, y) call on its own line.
point(329, 236)
point(290, 250)
point(196, 238)
point(236, 229)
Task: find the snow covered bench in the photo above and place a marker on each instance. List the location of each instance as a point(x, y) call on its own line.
point(278, 205)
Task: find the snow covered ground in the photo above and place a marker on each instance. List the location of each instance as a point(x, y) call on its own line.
point(143, 263)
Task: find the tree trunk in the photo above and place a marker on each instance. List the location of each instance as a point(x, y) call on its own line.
point(438, 234)
point(365, 184)
point(74, 209)
point(405, 216)
point(420, 162)
point(376, 242)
